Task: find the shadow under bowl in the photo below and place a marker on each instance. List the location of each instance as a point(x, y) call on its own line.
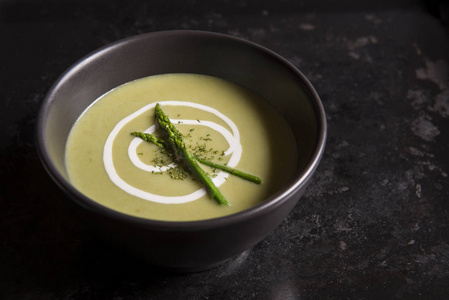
point(196, 245)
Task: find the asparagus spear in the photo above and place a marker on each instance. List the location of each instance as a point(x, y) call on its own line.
point(177, 143)
point(230, 170)
point(162, 144)
point(150, 138)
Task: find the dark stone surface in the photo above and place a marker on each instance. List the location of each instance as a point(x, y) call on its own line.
point(373, 223)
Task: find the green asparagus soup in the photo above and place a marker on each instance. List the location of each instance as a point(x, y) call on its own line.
point(218, 122)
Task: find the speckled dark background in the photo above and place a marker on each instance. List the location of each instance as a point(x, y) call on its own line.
point(374, 222)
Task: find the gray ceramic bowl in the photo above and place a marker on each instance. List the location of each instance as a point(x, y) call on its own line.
point(198, 245)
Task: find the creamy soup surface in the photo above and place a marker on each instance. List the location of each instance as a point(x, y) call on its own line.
point(224, 122)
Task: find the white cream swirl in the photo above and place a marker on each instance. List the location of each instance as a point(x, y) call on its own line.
point(233, 139)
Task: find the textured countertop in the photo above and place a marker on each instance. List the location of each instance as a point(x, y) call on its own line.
point(373, 223)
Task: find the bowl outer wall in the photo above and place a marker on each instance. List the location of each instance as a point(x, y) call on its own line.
point(124, 61)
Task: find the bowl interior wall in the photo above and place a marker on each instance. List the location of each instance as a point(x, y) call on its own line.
point(251, 67)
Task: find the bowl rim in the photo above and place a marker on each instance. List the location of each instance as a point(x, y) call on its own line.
point(259, 209)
